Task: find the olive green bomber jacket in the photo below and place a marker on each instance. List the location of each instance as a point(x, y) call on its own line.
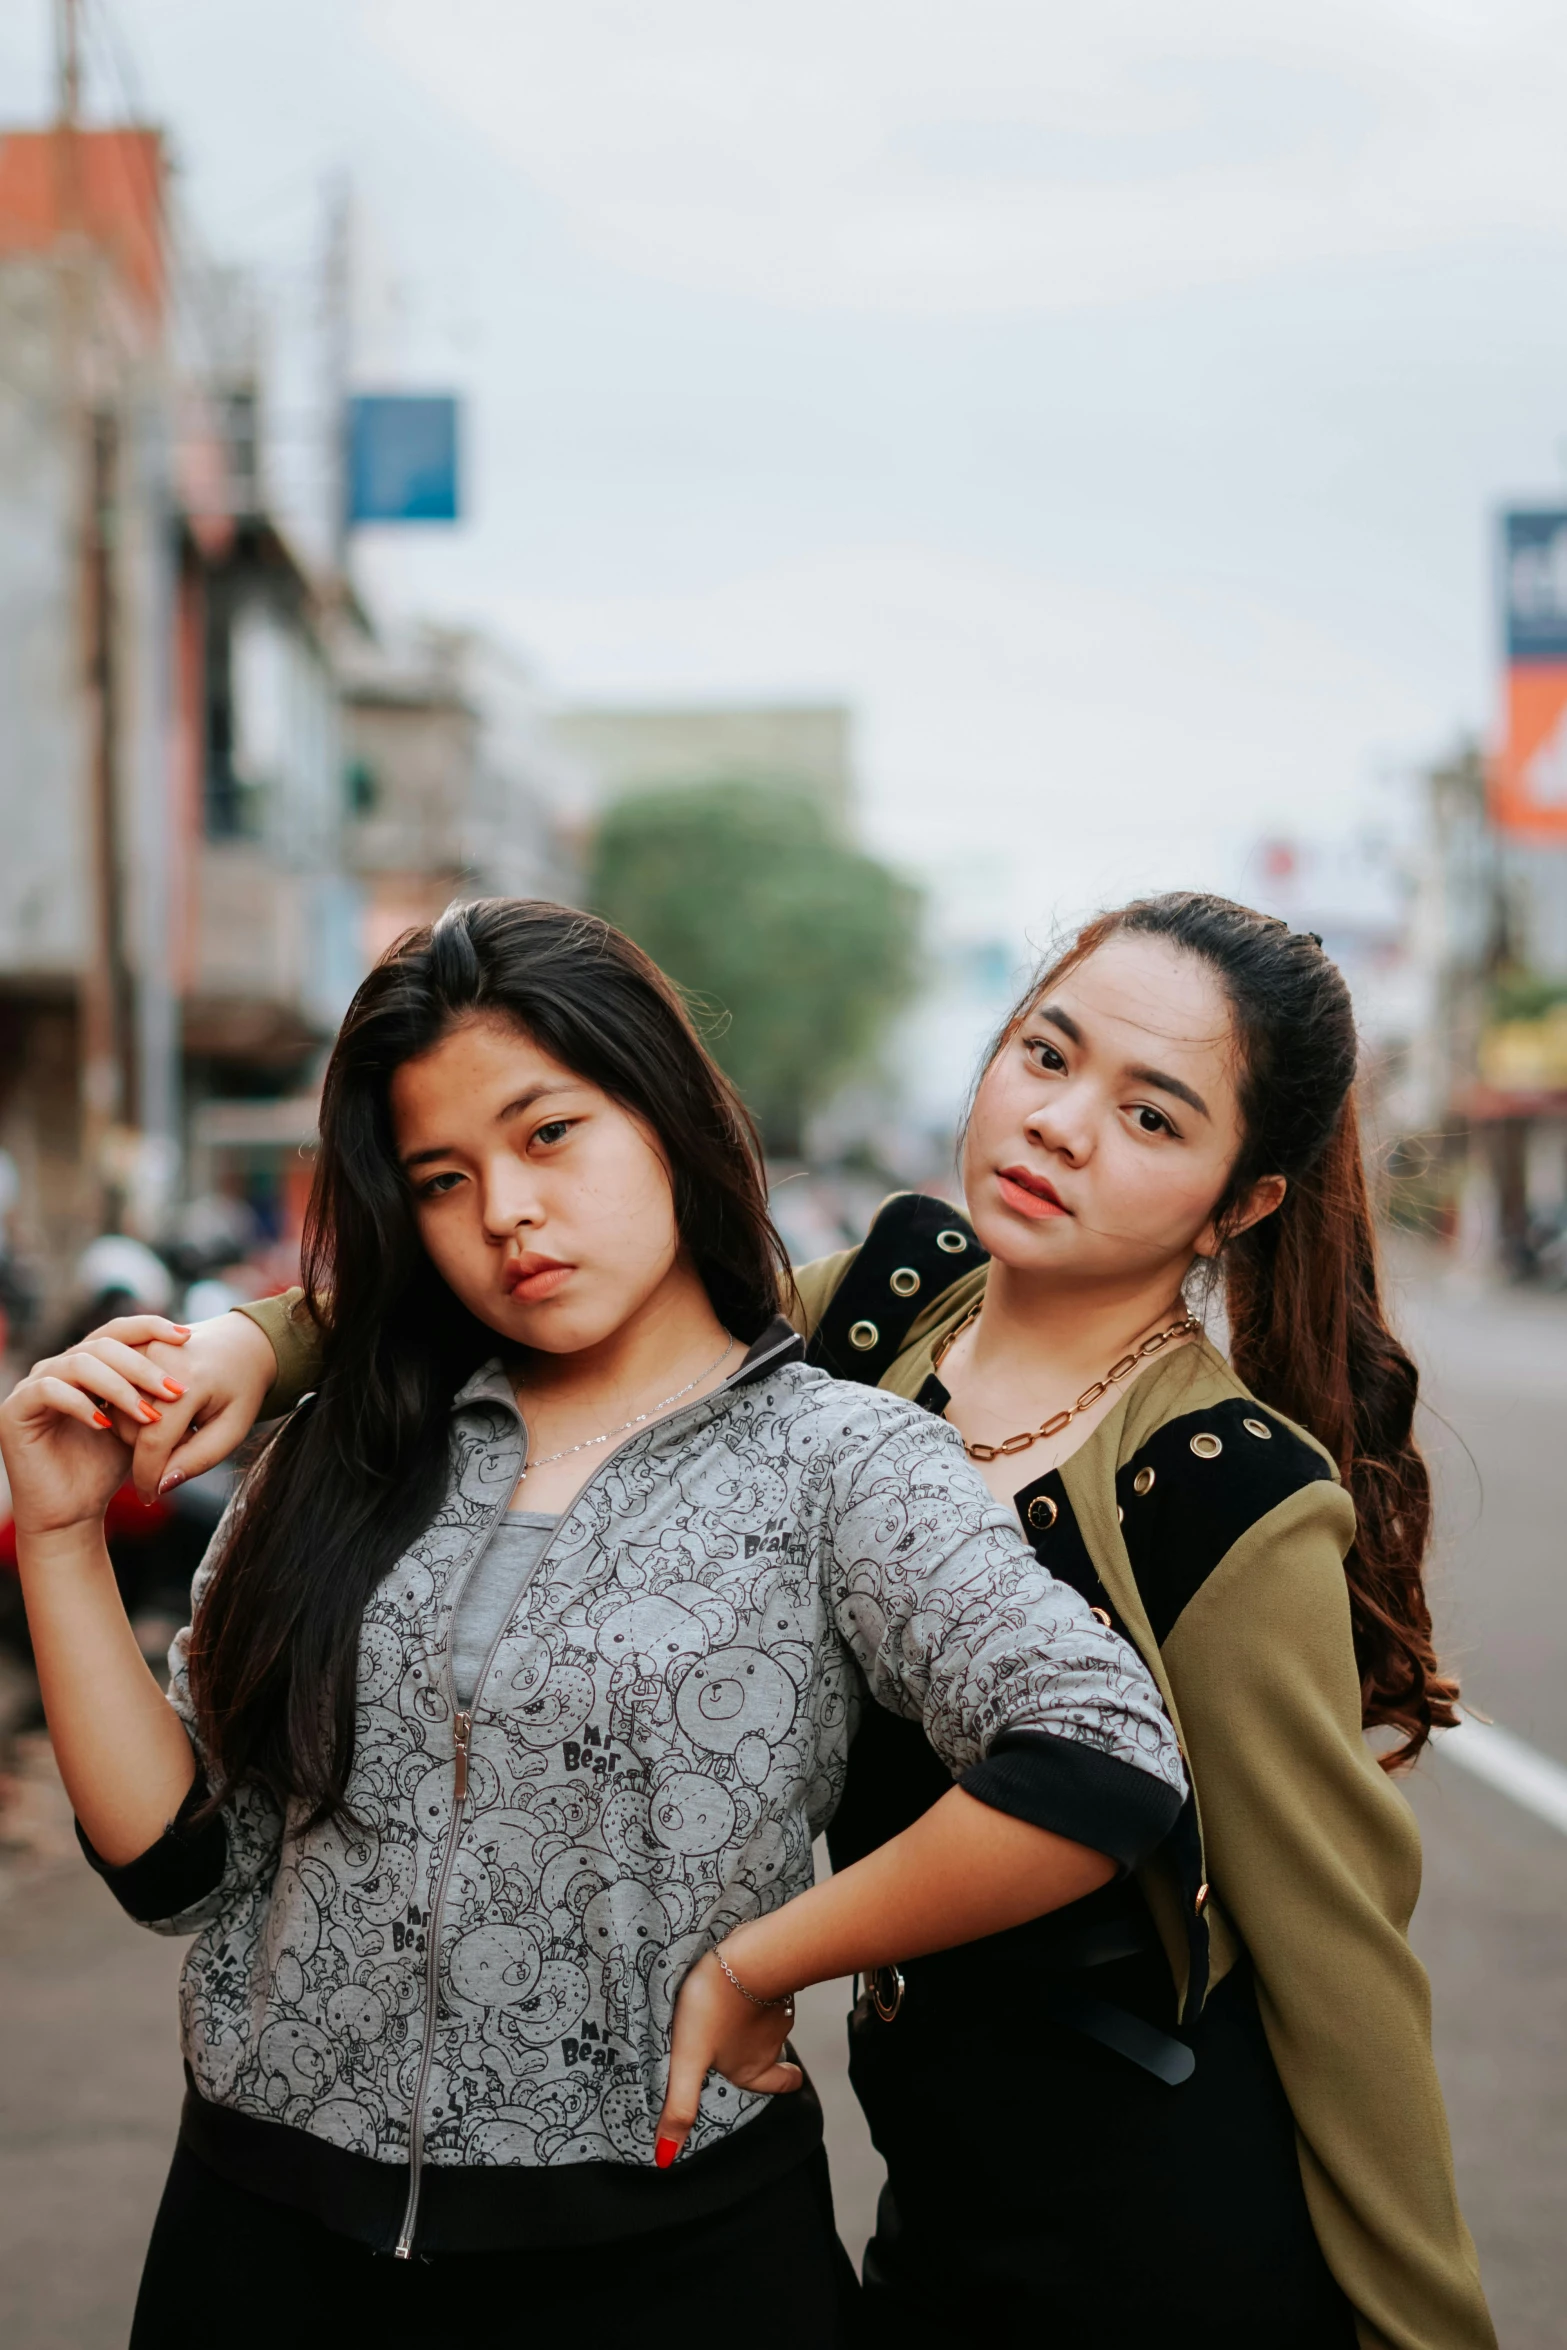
point(1311, 1853)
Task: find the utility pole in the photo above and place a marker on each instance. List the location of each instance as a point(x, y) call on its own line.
point(92, 427)
point(68, 60)
point(337, 291)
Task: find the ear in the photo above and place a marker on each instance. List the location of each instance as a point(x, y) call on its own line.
point(1265, 1195)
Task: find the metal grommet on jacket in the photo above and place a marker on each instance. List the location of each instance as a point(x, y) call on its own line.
point(1143, 1481)
point(886, 1990)
point(1206, 1445)
point(915, 1251)
point(1042, 1513)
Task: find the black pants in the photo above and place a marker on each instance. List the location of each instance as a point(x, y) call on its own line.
point(229, 2267)
point(1043, 2188)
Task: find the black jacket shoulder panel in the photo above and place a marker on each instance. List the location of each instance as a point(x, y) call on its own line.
point(1050, 1525)
point(1194, 1489)
point(913, 1253)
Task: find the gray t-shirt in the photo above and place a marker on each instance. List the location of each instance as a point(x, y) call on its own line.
point(500, 1576)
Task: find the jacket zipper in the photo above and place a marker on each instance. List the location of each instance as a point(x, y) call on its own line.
point(462, 1724)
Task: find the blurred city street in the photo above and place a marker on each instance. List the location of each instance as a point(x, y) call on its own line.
point(89, 2074)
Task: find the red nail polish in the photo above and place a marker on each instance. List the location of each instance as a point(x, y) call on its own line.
point(172, 1387)
point(664, 2152)
point(102, 1420)
point(150, 1413)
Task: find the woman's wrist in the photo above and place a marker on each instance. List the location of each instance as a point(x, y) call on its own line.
point(58, 1550)
point(751, 1969)
point(783, 2001)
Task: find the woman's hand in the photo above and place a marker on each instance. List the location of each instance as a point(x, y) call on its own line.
point(222, 1369)
point(122, 1750)
point(65, 1454)
point(963, 1871)
point(718, 2030)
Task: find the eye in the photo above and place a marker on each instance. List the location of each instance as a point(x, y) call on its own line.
point(554, 1132)
point(437, 1186)
point(1048, 1057)
point(1151, 1121)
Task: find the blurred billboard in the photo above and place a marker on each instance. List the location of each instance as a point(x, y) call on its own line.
point(1528, 784)
point(402, 458)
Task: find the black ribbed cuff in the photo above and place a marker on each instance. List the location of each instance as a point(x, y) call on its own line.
point(1076, 1791)
point(182, 1868)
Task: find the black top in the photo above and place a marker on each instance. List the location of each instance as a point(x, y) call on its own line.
point(1181, 1513)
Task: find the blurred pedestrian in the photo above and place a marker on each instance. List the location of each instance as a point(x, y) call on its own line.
point(518, 1684)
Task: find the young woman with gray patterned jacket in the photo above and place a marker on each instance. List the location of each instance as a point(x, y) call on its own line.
point(521, 1675)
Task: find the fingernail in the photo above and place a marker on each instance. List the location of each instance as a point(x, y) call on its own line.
point(664, 2152)
point(102, 1420)
point(150, 1412)
point(172, 1387)
point(174, 1477)
point(183, 1328)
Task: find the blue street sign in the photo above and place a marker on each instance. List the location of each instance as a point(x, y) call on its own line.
point(402, 458)
point(1534, 584)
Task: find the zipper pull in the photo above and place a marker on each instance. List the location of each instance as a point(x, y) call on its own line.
point(464, 1731)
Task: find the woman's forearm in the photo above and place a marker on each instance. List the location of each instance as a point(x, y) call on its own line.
point(123, 1753)
point(963, 1870)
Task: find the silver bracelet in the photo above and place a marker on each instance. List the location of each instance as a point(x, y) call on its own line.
point(755, 1997)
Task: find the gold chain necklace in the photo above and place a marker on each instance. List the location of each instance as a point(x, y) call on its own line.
point(1186, 1327)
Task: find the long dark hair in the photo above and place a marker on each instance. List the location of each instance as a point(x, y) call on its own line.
point(358, 1472)
point(1302, 1287)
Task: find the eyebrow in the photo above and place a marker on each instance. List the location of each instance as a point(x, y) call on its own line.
point(1157, 1078)
point(1164, 1084)
point(513, 1109)
point(1061, 1020)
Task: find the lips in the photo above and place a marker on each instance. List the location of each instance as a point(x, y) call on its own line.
point(1029, 1194)
point(533, 1277)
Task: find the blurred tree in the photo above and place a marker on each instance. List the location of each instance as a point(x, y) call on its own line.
point(747, 895)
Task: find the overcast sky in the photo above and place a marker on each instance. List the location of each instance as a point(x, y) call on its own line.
point(1111, 402)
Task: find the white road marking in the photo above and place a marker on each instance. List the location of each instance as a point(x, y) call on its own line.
point(1505, 1762)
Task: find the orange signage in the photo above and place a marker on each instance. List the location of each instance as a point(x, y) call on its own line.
point(1529, 773)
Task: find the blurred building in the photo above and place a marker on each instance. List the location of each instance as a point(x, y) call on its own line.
point(1354, 891)
point(1513, 1097)
point(87, 594)
point(222, 794)
point(453, 780)
point(1473, 1072)
point(1454, 945)
point(809, 746)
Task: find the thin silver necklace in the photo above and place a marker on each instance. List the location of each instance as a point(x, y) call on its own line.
point(652, 1412)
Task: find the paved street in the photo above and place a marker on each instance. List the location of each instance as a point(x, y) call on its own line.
point(89, 2080)
point(1492, 1925)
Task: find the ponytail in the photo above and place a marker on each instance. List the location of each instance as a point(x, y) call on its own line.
point(1307, 1329)
point(1308, 1335)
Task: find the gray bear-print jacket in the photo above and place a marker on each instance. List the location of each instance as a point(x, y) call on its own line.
point(484, 1972)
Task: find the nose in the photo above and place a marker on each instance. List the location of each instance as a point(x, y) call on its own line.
point(1061, 1120)
point(510, 1200)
